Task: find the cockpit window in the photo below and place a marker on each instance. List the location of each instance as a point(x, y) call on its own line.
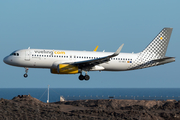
point(14, 54)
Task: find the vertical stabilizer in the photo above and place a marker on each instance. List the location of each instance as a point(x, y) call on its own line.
point(154, 51)
point(159, 45)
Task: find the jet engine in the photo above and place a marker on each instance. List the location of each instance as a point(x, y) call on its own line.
point(65, 69)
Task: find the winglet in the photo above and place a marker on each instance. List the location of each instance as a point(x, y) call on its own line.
point(118, 50)
point(96, 48)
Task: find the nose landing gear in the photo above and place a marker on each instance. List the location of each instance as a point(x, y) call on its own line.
point(26, 75)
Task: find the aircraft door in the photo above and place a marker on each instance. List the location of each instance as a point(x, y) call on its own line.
point(27, 56)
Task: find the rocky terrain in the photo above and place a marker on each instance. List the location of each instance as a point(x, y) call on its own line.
point(26, 107)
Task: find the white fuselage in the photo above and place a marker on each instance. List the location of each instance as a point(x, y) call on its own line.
point(41, 58)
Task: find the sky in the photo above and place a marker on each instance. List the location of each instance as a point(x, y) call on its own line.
point(82, 25)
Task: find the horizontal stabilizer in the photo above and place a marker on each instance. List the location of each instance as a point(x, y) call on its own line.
point(165, 60)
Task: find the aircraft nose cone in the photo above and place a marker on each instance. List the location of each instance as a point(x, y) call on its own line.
point(6, 60)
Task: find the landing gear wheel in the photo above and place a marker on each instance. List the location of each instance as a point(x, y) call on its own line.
point(86, 77)
point(25, 75)
point(81, 77)
point(26, 70)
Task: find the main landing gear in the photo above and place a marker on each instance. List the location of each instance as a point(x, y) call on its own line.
point(86, 77)
point(26, 75)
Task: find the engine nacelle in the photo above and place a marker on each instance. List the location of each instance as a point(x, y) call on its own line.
point(65, 69)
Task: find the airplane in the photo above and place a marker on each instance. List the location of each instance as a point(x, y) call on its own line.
point(74, 62)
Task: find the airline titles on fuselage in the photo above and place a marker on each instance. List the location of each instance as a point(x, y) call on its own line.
point(49, 52)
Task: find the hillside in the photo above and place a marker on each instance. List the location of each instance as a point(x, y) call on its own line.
point(26, 107)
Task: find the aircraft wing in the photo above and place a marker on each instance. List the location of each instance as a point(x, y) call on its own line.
point(93, 62)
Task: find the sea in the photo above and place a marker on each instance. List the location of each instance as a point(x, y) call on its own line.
point(92, 93)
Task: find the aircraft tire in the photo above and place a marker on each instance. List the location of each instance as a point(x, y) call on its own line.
point(86, 77)
point(25, 75)
point(81, 77)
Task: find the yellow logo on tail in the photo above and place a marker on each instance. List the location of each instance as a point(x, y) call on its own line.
point(161, 38)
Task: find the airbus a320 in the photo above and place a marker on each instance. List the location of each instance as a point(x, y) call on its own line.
point(74, 62)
